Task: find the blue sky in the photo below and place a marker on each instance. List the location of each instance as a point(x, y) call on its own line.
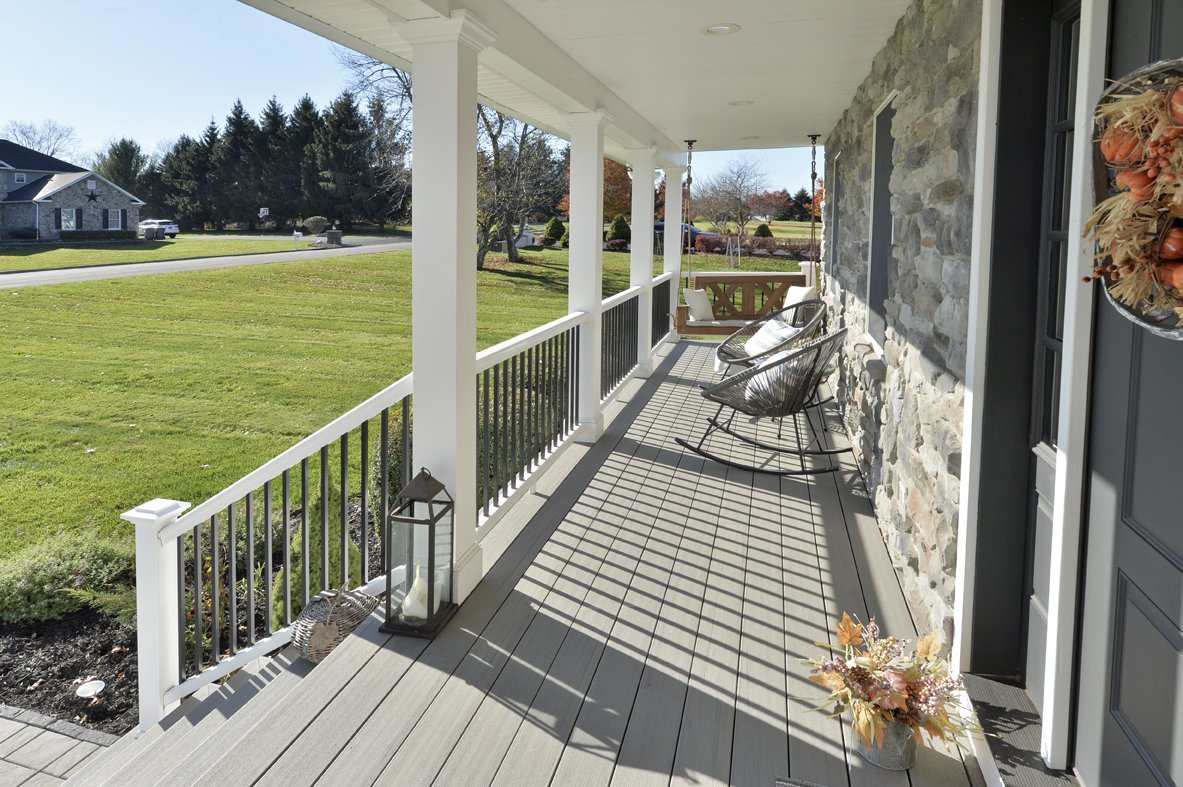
point(194, 58)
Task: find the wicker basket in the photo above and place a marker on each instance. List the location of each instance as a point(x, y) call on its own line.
point(1163, 76)
point(328, 619)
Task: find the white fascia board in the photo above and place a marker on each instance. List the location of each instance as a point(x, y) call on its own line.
point(521, 54)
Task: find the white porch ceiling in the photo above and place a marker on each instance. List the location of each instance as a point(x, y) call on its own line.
point(646, 63)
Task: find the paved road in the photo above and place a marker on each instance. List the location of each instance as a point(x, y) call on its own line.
point(350, 240)
point(97, 272)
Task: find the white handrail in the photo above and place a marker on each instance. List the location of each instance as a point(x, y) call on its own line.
point(388, 397)
point(667, 276)
point(491, 356)
point(621, 297)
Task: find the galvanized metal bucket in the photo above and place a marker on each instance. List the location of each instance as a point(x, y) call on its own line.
point(898, 752)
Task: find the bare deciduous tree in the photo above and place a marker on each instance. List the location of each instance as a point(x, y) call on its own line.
point(374, 79)
point(725, 197)
point(50, 137)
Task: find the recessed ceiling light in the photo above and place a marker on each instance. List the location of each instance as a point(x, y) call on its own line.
point(719, 29)
point(740, 102)
point(751, 137)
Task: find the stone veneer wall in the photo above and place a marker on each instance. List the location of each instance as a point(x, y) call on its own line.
point(17, 214)
point(904, 410)
point(74, 196)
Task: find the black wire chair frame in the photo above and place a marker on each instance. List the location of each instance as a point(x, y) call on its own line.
point(779, 388)
point(807, 316)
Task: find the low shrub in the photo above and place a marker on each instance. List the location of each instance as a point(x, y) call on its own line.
point(619, 230)
point(566, 239)
point(315, 224)
point(23, 233)
point(63, 574)
point(710, 244)
point(617, 244)
point(555, 229)
point(762, 231)
point(98, 235)
point(548, 241)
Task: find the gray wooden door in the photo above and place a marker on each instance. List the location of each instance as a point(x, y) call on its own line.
point(1130, 699)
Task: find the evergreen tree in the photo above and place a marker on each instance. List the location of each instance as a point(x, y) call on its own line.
point(179, 180)
point(389, 146)
point(279, 167)
point(211, 207)
point(237, 168)
point(123, 163)
point(305, 123)
point(342, 159)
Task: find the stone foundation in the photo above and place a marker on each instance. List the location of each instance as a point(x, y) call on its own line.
point(904, 408)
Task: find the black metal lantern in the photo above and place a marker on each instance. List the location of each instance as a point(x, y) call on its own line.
point(418, 562)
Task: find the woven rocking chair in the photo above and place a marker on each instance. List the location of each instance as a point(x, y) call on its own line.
point(781, 386)
point(793, 326)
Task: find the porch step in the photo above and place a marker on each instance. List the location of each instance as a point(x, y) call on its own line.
point(143, 760)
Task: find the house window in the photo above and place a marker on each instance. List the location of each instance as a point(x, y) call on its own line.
point(114, 220)
point(878, 276)
point(20, 177)
point(90, 184)
point(68, 219)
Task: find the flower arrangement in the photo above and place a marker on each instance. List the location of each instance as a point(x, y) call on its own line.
point(879, 681)
point(1138, 228)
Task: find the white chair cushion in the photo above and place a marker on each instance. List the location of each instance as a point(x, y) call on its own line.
point(774, 382)
point(798, 294)
point(699, 303)
point(771, 334)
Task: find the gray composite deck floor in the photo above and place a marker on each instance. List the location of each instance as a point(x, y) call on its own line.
point(644, 628)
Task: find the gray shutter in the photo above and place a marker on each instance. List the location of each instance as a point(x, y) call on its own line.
point(57, 218)
point(106, 219)
point(77, 218)
point(123, 218)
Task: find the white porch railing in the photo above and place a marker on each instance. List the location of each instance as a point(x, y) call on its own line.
point(218, 583)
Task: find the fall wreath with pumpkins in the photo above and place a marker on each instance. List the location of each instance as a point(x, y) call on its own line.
point(1138, 225)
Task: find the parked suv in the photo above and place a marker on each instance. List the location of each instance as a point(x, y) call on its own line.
point(694, 232)
point(168, 225)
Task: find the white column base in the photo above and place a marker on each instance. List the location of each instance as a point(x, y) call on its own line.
point(470, 570)
point(590, 431)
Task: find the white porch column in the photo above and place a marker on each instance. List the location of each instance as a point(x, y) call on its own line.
point(641, 255)
point(443, 282)
point(672, 240)
point(586, 266)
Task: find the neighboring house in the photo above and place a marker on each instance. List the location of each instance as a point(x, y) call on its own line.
point(54, 198)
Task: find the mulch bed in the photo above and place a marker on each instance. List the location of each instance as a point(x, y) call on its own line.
point(42, 664)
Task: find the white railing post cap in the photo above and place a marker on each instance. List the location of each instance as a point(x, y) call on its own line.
point(154, 511)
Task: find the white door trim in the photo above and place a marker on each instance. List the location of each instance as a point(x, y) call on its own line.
point(985, 160)
point(1072, 449)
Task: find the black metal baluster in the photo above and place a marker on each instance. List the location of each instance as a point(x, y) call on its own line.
point(181, 627)
point(305, 557)
point(250, 568)
point(215, 591)
point(198, 625)
point(345, 511)
point(495, 432)
point(232, 561)
point(287, 547)
point(365, 502)
point(487, 448)
point(268, 547)
point(384, 486)
point(324, 519)
point(512, 423)
point(530, 408)
point(503, 430)
point(407, 463)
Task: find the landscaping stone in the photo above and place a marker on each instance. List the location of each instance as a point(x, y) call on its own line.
point(904, 410)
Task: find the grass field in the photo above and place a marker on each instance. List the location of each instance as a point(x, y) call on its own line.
point(116, 392)
point(51, 255)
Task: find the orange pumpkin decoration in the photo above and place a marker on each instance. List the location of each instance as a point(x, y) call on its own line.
point(1119, 145)
point(1172, 245)
point(1138, 181)
point(1176, 104)
point(1171, 274)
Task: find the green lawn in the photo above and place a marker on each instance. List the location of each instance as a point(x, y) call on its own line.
point(49, 255)
point(176, 385)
